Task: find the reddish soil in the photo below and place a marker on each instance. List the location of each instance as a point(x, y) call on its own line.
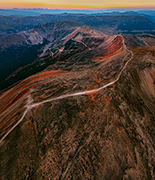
point(23, 87)
point(114, 48)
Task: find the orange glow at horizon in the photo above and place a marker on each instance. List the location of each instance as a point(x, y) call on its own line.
point(77, 4)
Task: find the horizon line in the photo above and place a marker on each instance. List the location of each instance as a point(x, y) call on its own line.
point(83, 8)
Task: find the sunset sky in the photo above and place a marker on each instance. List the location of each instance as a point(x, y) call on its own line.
point(53, 4)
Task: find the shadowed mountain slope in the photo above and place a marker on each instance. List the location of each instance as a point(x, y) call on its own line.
point(20, 49)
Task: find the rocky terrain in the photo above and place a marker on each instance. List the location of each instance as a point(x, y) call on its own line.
point(54, 126)
point(55, 45)
point(24, 39)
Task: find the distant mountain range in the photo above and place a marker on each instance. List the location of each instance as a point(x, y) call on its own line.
point(128, 21)
point(36, 12)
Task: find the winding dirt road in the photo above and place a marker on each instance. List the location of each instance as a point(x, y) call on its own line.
point(29, 106)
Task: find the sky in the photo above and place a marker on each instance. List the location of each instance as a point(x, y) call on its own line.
point(71, 4)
